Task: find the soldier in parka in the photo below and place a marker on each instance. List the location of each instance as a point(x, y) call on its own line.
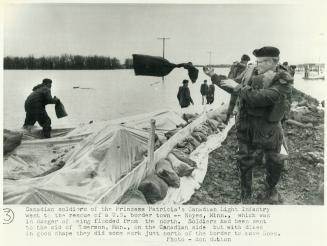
point(236, 73)
point(35, 107)
point(263, 98)
point(211, 94)
point(184, 95)
point(204, 90)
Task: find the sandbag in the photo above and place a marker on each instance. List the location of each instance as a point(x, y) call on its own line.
point(185, 150)
point(199, 136)
point(203, 129)
point(195, 143)
point(11, 140)
point(153, 188)
point(186, 146)
point(157, 142)
point(171, 133)
point(60, 110)
point(215, 115)
point(190, 117)
point(181, 144)
point(165, 171)
point(213, 124)
point(183, 157)
point(133, 196)
point(181, 168)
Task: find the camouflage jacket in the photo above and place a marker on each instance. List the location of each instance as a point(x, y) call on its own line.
point(236, 71)
point(263, 102)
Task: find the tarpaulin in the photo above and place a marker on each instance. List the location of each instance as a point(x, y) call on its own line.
point(97, 162)
point(94, 158)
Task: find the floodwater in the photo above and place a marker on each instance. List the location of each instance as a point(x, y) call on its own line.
point(111, 94)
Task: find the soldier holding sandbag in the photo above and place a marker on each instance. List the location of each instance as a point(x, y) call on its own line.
point(263, 99)
point(35, 107)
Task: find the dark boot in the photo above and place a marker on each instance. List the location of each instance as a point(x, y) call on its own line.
point(246, 187)
point(47, 131)
point(46, 134)
point(273, 196)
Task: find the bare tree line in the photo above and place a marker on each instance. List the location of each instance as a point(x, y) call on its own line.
point(65, 61)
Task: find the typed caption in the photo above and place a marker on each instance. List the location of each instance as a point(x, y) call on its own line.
point(168, 224)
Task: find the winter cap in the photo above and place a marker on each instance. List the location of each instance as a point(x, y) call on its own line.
point(266, 51)
point(245, 58)
point(46, 81)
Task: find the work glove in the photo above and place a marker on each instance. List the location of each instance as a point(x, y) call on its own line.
point(228, 83)
point(208, 71)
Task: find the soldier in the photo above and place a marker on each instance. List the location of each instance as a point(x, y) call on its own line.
point(263, 94)
point(211, 94)
point(204, 90)
point(184, 95)
point(238, 67)
point(292, 70)
point(35, 107)
point(235, 73)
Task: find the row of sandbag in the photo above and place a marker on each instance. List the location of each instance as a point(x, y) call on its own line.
point(168, 171)
point(200, 135)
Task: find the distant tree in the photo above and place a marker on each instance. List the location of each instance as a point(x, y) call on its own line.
point(78, 62)
point(65, 61)
point(128, 63)
point(116, 63)
point(8, 63)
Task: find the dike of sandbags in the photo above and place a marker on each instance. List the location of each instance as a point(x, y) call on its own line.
point(306, 111)
point(178, 175)
point(11, 140)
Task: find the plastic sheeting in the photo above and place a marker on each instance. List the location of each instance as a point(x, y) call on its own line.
point(134, 178)
point(200, 155)
point(98, 161)
point(96, 156)
point(188, 184)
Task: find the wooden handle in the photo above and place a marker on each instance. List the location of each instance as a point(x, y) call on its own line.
point(151, 142)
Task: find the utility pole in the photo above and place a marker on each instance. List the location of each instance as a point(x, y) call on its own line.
point(163, 50)
point(210, 52)
point(163, 46)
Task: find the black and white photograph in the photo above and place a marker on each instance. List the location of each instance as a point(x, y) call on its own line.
point(164, 104)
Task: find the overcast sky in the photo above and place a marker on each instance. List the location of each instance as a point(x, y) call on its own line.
point(228, 31)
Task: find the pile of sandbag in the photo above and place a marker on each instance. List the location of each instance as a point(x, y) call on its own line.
point(133, 196)
point(305, 114)
point(298, 96)
point(11, 140)
point(168, 172)
point(190, 117)
point(200, 135)
point(177, 164)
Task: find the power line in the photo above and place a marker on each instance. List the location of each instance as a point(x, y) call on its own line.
point(163, 50)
